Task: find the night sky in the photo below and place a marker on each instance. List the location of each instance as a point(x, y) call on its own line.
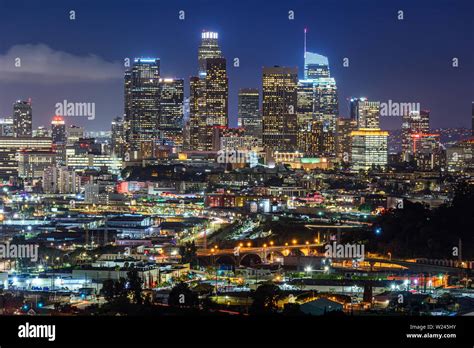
point(82, 60)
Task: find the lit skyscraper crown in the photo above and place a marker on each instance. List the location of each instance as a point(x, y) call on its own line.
point(315, 66)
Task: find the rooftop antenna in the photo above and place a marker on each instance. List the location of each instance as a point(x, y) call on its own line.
point(305, 30)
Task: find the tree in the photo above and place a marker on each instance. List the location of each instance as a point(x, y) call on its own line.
point(265, 299)
point(135, 286)
point(108, 290)
point(188, 253)
point(121, 291)
point(182, 296)
point(417, 231)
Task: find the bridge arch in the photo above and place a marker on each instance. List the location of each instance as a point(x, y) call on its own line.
point(226, 260)
point(250, 259)
point(296, 252)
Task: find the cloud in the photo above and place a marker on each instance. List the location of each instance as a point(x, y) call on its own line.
point(41, 64)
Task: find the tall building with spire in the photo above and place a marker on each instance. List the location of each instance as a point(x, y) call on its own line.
point(317, 101)
point(315, 66)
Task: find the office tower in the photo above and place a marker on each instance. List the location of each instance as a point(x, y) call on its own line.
point(316, 140)
point(60, 179)
point(209, 48)
point(58, 130)
point(460, 157)
point(142, 107)
point(22, 119)
point(315, 66)
point(41, 132)
point(208, 94)
point(279, 101)
point(117, 138)
point(317, 101)
point(6, 127)
point(73, 134)
point(216, 92)
point(344, 128)
point(426, 151)
point(197, 116)
point(415, 126)
point(170, 123)
point(306, 103)
point(326, 102)
point(10, 148)
point(369, 149)
point(249, 112)
point(472, 119)
point(32, 163)
point(366, 113)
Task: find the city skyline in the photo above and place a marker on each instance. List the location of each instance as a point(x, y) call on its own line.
point(179, 61)
point(305, 161)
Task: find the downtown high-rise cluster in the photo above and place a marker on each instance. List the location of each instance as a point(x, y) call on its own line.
point(290, 115)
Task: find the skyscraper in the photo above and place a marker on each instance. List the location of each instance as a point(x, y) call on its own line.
point(326, 102)
point(170, 123)
point(209, 48)
point(472, 119)
point(315, 66)
point(208, 94)
point(6, 127)
point(142, 107)
point(22, 119)
point(369, 149)
point(414, 123)
point(197, 117)
point(344, 128)
point(279, 101)
point(366, 113)
point(306, 103)
point(58, 130)
point(217, 93)
point(117, 142)
point(317, 103)
point(74, 133)
point(249, 112)
point(316, 140)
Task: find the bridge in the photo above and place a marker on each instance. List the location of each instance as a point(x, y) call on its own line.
point(259, 253)
point(264, 254)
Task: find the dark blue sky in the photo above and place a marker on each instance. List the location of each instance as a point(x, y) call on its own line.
point(405, 61)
